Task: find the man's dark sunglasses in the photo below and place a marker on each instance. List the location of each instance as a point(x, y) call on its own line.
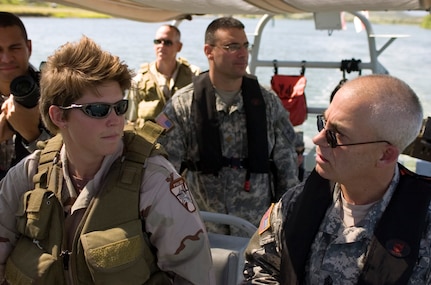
point(167, 43)
point(100, 110)
point(331, 136)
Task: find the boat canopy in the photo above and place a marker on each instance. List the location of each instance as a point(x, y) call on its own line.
point(329, 19)
point(166, 10)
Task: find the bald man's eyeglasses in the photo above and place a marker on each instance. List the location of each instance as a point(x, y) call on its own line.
point(331, 136)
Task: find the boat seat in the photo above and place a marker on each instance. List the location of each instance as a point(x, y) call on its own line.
point(228, 251)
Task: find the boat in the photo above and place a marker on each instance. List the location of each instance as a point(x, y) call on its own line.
point(228, 250)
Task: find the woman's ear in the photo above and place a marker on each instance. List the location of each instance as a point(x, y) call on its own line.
point(57, 116)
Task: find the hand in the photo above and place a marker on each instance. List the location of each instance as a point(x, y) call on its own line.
point(23, 120)
point(5, 131)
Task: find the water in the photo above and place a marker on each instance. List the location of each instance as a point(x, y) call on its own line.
point(407, 58)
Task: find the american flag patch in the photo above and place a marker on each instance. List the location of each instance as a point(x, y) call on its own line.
point(164, 121)
point(265, 222)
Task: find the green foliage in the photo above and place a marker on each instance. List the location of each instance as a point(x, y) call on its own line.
point(11, 2)
point(426, 22)
point(20, 2)
point(47, 9)
point(26, 2)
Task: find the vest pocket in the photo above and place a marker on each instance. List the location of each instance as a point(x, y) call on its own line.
point(35, 258)
point(118, 255)
point(28, 264)
point(34, 213)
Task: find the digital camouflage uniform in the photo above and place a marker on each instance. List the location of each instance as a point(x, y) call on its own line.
point(337, 253)
point(171, 218)
point(226, 191)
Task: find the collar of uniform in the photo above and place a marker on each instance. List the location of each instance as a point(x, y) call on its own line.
point(94, 185)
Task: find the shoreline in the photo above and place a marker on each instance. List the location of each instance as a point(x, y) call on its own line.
point(61, 11)
point(51, 10)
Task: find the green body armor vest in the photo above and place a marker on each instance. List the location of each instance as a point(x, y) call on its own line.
point(153, 99)
point(110, 245)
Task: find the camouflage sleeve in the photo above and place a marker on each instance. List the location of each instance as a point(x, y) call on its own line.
point(283, 153)
point(422, 271)
point(174, 225)
point(177, 113)
point(262, 265)
point(18, 180)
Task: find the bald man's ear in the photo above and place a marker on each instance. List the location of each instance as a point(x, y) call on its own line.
point(180, 46)
point(389, 155)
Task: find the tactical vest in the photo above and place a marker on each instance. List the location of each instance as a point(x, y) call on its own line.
point(110, 245)
point(394, 248)
point(152, 98)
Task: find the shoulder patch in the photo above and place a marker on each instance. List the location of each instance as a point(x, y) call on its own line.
point(265, 222)
point(163, 120)
point(180, 190)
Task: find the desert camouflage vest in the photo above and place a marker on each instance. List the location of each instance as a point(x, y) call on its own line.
point(152, 99)
point(109, 247)
point(394, 249)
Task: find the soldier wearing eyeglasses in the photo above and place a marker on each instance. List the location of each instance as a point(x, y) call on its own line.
point(97, 204)
point(156, 82)
point(230, 137)
point(360, 217)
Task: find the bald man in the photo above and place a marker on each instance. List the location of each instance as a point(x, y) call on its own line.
point(157, 81)
point(360, 217)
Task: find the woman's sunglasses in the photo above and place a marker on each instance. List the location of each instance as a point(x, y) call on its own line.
point(100, 110)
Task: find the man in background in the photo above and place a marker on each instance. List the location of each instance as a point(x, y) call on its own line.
point(20, 123)
point(157, 81)
point(232, 136)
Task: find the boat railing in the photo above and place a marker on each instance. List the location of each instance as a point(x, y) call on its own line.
point(227, 250)
point(374, 65)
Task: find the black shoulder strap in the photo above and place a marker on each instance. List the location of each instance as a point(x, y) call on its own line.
point(255, 110)
point(207, 124)
point(395, 247)
point(302, 226)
